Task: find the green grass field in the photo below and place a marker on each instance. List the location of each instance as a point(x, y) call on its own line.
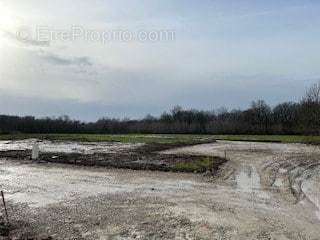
point(271, 138)
point(165, 138)
point(126, 138)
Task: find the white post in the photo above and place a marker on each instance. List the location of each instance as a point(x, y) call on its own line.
point(35, 151)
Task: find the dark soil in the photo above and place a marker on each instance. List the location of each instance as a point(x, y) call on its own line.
point(5, 229)
point(142, 158)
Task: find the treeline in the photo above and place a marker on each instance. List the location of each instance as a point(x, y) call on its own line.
point(286, 118)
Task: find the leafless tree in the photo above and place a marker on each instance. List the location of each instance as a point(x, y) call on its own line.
point(286, 118)
point(313, 94)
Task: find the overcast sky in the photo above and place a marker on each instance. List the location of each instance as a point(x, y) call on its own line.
point(216, 53)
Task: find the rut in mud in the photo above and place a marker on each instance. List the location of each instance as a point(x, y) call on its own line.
point(267, 183)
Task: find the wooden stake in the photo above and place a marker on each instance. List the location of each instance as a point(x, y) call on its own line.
point(5, 207)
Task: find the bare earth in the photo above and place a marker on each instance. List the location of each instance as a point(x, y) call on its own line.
point(265, 191)
point(69, 147)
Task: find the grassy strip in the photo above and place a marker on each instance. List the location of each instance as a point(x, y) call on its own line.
point(128, 138)
point(203, 164)
point(164, 138)
point(271, 138)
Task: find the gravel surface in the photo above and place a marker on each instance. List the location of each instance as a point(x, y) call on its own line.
point(265, 191)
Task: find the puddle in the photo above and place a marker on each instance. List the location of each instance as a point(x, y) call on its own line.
point(311, 189)
point(281, 179)
point(279, 182)
point(69, 147)
point(248, 181)
point(283, 170)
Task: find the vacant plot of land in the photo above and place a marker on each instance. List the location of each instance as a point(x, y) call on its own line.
point(67, 202)
point(264, 191)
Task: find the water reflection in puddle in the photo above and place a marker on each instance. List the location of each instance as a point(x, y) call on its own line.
point(248, 181)
point(311, 189)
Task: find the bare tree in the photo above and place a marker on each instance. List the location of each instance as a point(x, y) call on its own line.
point(285, 118)
point(313, 94)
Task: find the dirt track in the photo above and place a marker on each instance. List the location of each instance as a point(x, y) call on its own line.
point(265, 191)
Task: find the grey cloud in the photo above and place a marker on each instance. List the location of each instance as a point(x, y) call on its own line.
point(141, 97)
point(65, 61)
point(15, 104)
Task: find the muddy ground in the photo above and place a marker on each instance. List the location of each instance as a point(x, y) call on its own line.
point(112, 155)
point(264, 191)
